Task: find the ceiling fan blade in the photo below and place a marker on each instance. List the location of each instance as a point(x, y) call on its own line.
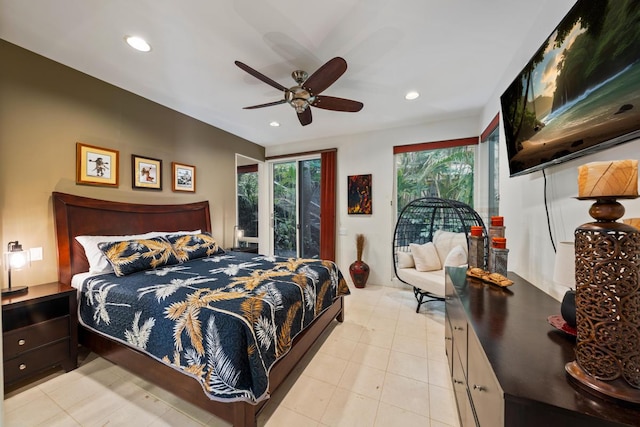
point(268, 104)
point(305, 117)
point(258, 75)
point(337, 104)
point(326, 75)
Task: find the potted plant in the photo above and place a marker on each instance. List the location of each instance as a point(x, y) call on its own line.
point(359, 270)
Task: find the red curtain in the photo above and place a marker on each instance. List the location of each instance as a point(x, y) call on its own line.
point(328, 205)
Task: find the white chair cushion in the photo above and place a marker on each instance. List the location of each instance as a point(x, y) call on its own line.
point(425, 256)
point(445, 241)
point(427, 281)
point(456, 257)
point(405, 260)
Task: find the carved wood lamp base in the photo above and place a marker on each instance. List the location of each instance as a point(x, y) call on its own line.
point(618, 389)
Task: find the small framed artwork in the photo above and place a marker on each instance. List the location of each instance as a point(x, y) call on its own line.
point(184, 177)
point(96, 165)
point(359, 201)
point(146, 172)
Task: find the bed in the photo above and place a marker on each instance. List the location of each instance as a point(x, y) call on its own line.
point(81, 216)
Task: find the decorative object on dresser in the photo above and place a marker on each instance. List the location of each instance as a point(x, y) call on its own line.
point(39, 331)
point(507, 363)
point(634, 222)
point(146, 173)
point(15, 259)
point(608, 284)
point(96, 165)
point(183, 177)
point(359, 270)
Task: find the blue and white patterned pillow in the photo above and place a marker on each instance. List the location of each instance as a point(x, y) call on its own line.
point(192, 246)
point(130, 256)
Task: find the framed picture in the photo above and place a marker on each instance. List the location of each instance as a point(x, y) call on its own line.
point(359, 187)
point(146, 172)
point(96, 165)
point(184, 177)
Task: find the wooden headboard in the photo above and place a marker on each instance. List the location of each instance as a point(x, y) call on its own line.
point(77, 216)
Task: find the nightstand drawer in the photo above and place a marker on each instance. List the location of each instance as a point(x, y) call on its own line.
point(34, 361)
point(25, 339)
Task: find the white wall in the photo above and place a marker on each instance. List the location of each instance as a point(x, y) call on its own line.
point(531, 252)
point(372, 153)
point(522, 198)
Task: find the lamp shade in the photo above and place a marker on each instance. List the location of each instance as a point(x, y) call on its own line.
point(564, 270)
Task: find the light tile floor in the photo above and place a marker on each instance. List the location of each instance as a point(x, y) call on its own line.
point(384, 366)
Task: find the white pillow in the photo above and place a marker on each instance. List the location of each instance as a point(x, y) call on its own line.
point(405, 260)
point(456, 257)
point(445, 241)
point(98, 263)
point(425, 256)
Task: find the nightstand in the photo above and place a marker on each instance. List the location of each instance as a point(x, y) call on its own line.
point(39, 331)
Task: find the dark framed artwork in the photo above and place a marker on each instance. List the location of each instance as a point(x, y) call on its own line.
point(359, 195)
point(146, 173)
point(96, 165)
point(184, 177)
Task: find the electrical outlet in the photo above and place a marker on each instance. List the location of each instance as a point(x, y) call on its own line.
point(36, 254)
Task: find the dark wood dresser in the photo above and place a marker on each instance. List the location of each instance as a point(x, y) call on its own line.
point(507, 362)
point(39, 331)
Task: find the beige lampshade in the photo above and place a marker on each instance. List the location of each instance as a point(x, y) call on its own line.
point(564, 270)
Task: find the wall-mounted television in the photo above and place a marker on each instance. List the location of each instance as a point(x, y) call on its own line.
point(580, 92)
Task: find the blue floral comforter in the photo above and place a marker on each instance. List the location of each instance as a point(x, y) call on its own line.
point(224, 320)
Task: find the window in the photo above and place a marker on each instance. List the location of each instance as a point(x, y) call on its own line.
point(491, 136)
point(446, 171)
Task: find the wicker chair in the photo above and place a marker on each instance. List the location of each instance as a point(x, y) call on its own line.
point(418, 223)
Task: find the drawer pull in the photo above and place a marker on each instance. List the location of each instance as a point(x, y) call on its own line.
point(455, 381)
point(458, 328)
point(21, 342)
point(479, 387)
point(448, 338)
point(22, 367)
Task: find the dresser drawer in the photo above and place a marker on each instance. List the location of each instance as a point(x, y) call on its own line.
point(33, 361)
point(25, 339)
point(486, 394)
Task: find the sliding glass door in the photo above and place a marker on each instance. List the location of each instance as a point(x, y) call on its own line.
point(296, 208)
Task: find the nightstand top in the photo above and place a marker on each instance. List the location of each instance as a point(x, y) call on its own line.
point(39, 291)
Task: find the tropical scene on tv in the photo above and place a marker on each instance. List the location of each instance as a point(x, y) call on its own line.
point(580, 89)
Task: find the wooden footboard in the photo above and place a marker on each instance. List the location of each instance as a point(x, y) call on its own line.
point(240, 414)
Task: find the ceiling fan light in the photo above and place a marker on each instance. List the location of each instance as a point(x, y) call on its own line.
point(138, 43)
point(300, 104)
point(411, 95)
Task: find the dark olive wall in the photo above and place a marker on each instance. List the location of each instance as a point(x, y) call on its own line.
point(46, 108)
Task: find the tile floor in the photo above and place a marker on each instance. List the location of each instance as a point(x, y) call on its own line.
point(384, 366)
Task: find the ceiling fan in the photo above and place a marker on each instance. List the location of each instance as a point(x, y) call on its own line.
point(307, 91)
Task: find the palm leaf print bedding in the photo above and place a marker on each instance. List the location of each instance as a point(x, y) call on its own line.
point(224, 320)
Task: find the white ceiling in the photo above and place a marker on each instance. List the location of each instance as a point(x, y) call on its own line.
point(454, 52)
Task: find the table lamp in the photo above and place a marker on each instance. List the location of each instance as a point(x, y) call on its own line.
point(15, 259)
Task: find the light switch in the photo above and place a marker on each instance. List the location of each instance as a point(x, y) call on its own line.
point(36, 254)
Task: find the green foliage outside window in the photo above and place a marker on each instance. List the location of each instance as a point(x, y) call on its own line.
point(446, 173)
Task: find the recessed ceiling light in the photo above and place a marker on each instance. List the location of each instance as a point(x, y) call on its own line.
point(274, 124)
point(411, 95)
point(138, 43)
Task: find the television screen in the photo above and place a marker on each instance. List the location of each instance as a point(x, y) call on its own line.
point(581, 90)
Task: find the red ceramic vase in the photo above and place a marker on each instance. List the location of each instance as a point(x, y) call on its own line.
point(359, 272)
